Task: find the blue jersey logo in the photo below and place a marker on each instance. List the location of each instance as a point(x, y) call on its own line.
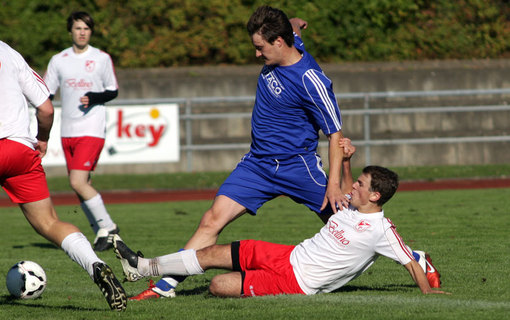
point(273, 84)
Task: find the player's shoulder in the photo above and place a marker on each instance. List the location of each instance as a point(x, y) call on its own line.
point(315, 75)
point(4, 45)
point(388, 223)
point(7, 48)
point(11, 56)
point(99, 53)
point(67, 52)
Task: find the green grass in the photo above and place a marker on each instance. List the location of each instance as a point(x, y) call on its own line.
point(466, 233)
point(210, 180)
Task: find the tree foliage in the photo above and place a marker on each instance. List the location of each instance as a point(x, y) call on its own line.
point(162, 33)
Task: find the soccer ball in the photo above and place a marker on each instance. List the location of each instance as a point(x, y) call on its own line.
point(26, 280)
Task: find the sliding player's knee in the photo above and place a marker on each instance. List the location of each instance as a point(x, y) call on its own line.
point(219, 288)
point(226, 285)
point(215, 288)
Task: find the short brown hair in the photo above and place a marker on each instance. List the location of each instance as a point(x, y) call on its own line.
point(271, 23)
point(80, 15)
point(382, 180)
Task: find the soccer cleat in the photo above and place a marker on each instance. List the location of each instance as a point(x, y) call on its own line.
point(104, 239)
point(431, 272)
point(128, 259)
point(110, 286)
point(153, 292)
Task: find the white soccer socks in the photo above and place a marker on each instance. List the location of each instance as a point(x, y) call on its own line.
point(97, 214)
point(78, 248)
point(182, 263)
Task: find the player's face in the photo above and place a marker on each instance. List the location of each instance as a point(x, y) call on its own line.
point(361, 192)
point(270, 53)
point(80, 33)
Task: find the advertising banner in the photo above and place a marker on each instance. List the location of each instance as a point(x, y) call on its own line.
point(134, 134)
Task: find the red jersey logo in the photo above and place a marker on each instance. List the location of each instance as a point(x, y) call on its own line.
point(90, 65)
point(339, 235)
point(362, 226)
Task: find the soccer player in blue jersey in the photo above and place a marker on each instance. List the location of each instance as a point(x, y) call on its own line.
point(294, 100)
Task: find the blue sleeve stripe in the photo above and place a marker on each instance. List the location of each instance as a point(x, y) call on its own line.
point(324, 97)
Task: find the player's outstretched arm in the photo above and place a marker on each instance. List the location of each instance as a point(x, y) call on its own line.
point(334, 195)
point(346, 179)
point(298, 24)
point(420, 279)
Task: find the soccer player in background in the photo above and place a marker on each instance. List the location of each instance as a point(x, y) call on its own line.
point(342, 250)
point(87, 80)
point(294, 100)
point(22, 175)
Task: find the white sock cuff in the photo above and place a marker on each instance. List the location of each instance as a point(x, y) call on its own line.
point(99, 213)
point(189, 257)
point(95, 200)
point(90, 217)
point(79, 250)
point(71, 238)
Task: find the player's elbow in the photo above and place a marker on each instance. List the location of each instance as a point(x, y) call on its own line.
point(46, 109)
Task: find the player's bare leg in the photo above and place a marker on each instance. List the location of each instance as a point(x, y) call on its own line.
point(223, 211)
point(43, 218)
point(80, 183)
point(183, 263)
point(218, 256)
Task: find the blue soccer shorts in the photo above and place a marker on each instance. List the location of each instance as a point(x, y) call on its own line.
point(257, 180)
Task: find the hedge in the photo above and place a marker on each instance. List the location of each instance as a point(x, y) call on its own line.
point(158, 33)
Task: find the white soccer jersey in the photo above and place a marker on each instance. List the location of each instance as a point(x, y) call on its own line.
point(17, 82)
point(77, 74)
point(345, 247)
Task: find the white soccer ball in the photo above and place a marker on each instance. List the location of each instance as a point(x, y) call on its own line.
point(26, 280)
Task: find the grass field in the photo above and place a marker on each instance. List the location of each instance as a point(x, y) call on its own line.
point(466, 233)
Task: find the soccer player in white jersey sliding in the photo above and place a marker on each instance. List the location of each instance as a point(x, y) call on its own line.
point(87, 80)
point(22, 175)
point(294, 100)
point(350, 242)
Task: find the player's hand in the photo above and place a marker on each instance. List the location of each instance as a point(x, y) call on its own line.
point(84, 102)
point(298, 22)
point(432, 291)
point(41, 147)
point(348, 148)
point(335, 198)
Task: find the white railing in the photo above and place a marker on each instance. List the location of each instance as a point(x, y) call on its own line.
point(187, 117)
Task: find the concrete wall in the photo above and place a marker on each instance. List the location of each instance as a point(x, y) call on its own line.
point(347, 78)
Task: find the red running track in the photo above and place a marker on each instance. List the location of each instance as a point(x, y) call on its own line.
point(141, 196)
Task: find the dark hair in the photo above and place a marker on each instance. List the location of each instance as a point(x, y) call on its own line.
point(271, 23)
point(384, 181)
point(80, 15)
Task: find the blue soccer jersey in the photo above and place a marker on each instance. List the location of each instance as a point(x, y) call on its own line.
point(292, 104)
